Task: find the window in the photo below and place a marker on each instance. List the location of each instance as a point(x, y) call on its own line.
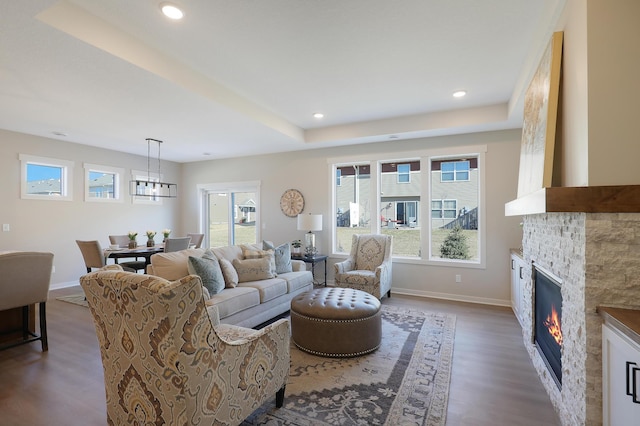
point(403, 173)
point(450, 179)
point(454, 171)
point(102, 183)
point(352, 204)
point(229, 213)
point(455, 202)
point(46, 178)
point(444, 209)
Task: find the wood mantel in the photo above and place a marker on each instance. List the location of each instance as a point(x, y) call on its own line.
point(586, 199)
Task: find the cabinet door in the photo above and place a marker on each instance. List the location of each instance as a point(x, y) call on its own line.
point(621, 378)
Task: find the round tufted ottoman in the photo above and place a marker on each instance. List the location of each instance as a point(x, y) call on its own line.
point(337, 322)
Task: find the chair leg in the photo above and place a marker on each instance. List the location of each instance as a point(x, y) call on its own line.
point(43, 327)
point(280, 397)
point(389, 293)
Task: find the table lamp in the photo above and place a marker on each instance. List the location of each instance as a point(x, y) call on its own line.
point(310, 222)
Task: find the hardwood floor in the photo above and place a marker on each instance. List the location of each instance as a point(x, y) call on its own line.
point(493, 381)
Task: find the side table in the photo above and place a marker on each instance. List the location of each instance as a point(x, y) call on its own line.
point(318, 258)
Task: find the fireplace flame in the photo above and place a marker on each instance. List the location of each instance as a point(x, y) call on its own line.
point(553, 325)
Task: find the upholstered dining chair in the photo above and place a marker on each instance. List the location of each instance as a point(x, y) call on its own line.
point(368, 267)
point(176, 244)
point(94, 256)
point(196, 239)
point(123, 241)
point(166, 360)
point(24, 281)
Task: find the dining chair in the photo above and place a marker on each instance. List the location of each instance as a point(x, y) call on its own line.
point(138, 262)
point(24, 281)
point(94, 256)
point(176, 244)
point(196, 239)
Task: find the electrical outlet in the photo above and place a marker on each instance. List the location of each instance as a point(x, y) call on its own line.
point(5, 227)
point(53, 269)
point(458, 278)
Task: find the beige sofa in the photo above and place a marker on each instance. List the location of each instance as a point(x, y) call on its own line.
point(249, 303)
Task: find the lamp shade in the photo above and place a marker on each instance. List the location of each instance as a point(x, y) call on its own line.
point(309, 222)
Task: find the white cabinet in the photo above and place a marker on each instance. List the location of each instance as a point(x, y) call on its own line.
point(517, 283)
point(620, 378)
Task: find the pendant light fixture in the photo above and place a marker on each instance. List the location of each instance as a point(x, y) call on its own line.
point(153, 188)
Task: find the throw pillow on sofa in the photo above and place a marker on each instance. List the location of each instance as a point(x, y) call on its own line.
point(253, 269)
point(282, 255)
point(229, 273)
point(249, 252)
point(208, 269)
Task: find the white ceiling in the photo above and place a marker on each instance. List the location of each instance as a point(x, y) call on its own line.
point(243, 77)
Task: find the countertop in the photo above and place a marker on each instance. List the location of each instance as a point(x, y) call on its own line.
point(625, 320)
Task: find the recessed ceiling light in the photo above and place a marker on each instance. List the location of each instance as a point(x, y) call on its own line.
point(393, 136)
point(171, 11)
point(318, 115)
point(459, 93)
point(61, 134)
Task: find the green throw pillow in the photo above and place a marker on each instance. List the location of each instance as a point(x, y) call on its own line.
point(208, 269)
point(282, 255)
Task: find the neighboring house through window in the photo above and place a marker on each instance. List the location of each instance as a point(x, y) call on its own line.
point(46, 178)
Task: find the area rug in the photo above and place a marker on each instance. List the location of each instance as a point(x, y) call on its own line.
point(405, 382)
point(76, 299)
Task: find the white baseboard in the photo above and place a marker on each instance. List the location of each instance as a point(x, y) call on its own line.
point(444, 296)
point(57, 286)
point(449, 296)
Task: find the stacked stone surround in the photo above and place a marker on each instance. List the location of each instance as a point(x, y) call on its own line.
point(597, 257)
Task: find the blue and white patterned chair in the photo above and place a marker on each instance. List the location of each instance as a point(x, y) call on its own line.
point(368, 267)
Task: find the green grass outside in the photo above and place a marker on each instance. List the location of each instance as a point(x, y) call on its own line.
point(406, 241)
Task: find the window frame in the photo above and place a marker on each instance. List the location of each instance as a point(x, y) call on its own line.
point(66, 177)
point(117, 184)
point(425, 157)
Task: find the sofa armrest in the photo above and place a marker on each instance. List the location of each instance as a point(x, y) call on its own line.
point(344, 266)
point(298, 265)
point(212, 310)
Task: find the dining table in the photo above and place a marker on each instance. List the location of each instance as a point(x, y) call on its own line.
point(139, 251)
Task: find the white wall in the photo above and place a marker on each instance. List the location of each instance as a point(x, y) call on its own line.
point(308, 172)
point(55, 225)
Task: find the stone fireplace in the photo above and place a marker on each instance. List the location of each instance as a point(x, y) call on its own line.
point(597, 257)
point(588, 237)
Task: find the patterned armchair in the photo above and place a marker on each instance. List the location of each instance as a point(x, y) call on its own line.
point(164, 360)
point(368, 267)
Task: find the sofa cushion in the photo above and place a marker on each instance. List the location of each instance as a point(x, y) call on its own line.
point(208, 269)
point(234, 300)
point(173, 265)
point(282, 255)
point(229, 273)
point(254, 269)
point(297, 280)
point(269, 289)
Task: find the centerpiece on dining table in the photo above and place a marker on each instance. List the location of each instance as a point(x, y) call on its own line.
point(150, 241)
point(166, 233)
point(132, 239)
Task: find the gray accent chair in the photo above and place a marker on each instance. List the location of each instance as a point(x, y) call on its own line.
point(196, 239)
point(176, 244)
point(24, 281)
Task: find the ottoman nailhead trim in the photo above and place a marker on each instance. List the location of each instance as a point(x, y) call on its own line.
point(337, 355)
point(333, 320)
